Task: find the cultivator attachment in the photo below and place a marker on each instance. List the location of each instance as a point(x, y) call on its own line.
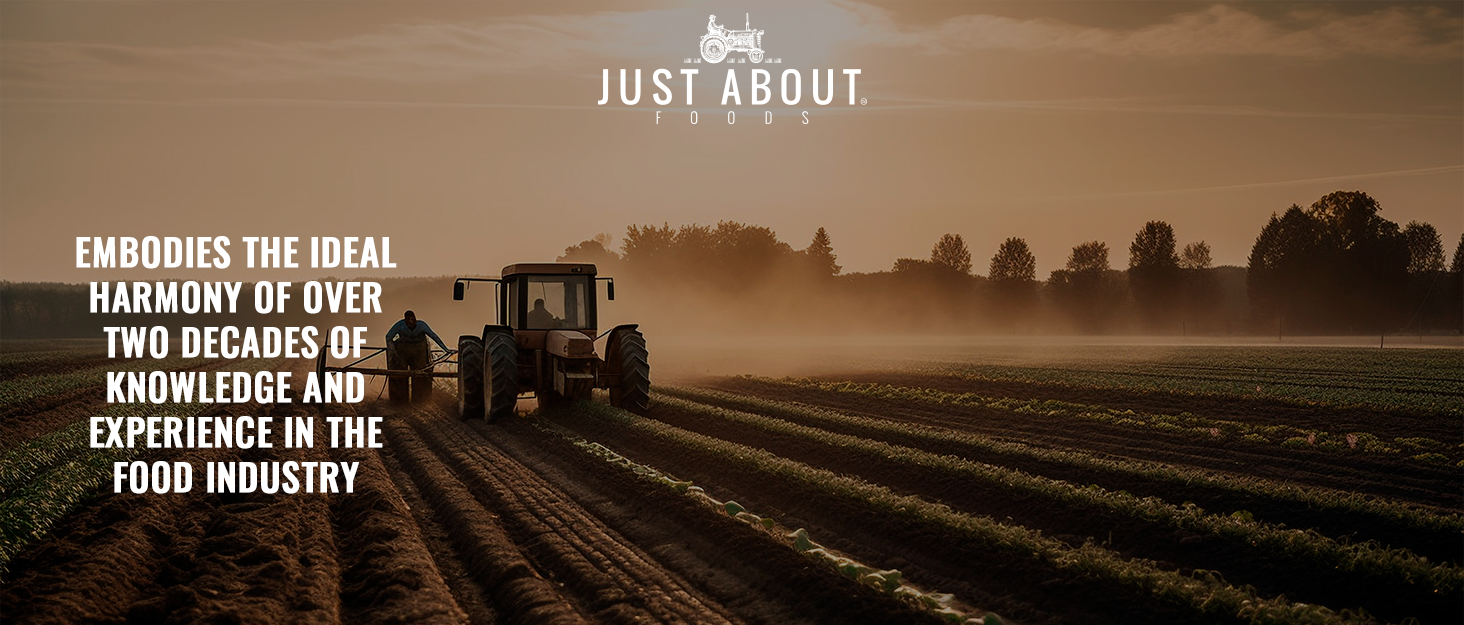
point(402, 383)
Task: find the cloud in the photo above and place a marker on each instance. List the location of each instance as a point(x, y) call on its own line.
point(1395, 32)
point(426, 52)
point(1347, 178)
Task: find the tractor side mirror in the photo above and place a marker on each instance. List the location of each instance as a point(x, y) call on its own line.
point(610, 290)
point(457, 291)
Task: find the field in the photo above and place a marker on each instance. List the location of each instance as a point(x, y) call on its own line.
point(927, 483)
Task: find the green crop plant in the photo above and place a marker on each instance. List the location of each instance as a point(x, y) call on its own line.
point(1183, 423)
point(1383, 380)
point(1367, 558)
point(1201, 594)
point(1409, 516)
point(19, 390)
point(45, 478)
point(888, 581)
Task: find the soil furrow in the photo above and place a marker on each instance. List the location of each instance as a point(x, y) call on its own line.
point(1187, 550)
point(759, 578)
point(43, 415)
point(1338, 523)
point(619, 583)
point(520, 594)
point(387, 572)
point(1395, 422)
point(1381, 476)
point(1025, 590)
point(471, 597)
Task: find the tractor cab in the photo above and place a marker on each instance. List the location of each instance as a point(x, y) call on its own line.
point(544, 341)
point(550, 296)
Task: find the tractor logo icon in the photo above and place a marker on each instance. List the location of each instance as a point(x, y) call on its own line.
point(719, 41)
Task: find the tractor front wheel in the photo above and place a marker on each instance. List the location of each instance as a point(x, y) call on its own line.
point(470, 377)
point(632, 390)
point(500, 375)
point(756, 56)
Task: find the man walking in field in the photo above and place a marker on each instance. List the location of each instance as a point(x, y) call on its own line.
point(406, 349)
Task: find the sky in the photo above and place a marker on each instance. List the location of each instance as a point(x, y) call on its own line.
point(469, 132)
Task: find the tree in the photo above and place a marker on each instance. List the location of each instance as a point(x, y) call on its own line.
point(1195, 256)
point(1199, 292)
point(951, 252)
point(1366, 273)
point(1154, 270)
point(1090, 257)
point(1286, 254)
point(1458, 265)
point(1454, 311)
point(1153, 248)
point(1013, 281)
point(907, 265)
point(1013, 262)
point(821, 254)
point(1425, 247)
point(595, 250)
point(1083, 290)
point(644, 245)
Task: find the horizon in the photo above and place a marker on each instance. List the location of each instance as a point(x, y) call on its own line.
point(1058, 123)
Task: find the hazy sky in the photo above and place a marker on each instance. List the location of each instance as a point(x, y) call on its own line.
point(469, 131)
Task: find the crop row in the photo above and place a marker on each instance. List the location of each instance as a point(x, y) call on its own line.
point(1409, 517)
point(45, 478)
point(1294, 546)
point(17, 391)
point(1414, 379)
point(20, 360)
point(890, 581)
point(1184, 423)
point(1200, 594)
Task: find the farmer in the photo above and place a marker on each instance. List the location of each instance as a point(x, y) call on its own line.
point(406, 348)
point(540, 317)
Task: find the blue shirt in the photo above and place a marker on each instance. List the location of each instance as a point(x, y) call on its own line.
point(409, 335)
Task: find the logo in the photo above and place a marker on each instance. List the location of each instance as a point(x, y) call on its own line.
point(719, 41)
point(715, 46)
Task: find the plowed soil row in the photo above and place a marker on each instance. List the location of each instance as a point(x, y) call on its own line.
point(1270, 573)
point(987, 575)
point(44, 415)
point(759, 580)
point(239, 558)
point(1342, 524)
point(453, 522)
point(13, 369)
point(1387, 476)
point(1390, 423)
point(613, 547)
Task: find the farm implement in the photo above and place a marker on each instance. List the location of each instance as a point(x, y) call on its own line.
point(402, 383)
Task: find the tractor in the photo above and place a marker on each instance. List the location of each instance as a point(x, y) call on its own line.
point(544, 342)
point(719, 41)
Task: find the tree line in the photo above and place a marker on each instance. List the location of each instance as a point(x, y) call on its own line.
point(1338, 267)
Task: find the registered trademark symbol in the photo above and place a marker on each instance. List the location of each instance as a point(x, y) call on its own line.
point(863, 101)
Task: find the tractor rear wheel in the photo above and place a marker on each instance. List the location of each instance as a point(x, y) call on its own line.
point(500, 374)
point(630, 358)
point(713, 49)
point(470, 377)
